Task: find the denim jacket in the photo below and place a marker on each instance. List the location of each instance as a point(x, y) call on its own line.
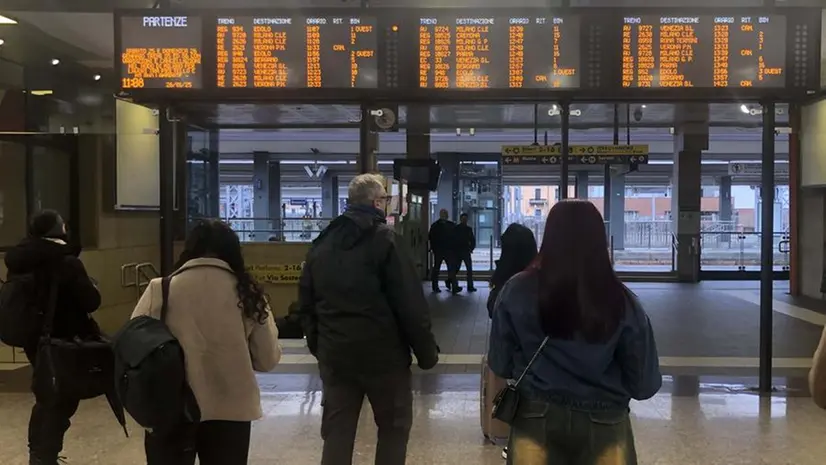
point(609, 374)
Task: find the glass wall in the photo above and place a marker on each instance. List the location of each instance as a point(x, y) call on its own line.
point(13, 207)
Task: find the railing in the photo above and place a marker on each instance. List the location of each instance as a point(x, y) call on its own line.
point(138, 275)
point(287, 229)
point(740, 250)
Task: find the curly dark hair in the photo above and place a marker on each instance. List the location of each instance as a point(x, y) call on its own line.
point(216, 239)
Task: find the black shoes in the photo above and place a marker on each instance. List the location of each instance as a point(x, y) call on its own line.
point(471, 289)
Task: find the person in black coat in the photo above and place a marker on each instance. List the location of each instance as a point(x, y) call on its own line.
point(363, 311)
point(464, 243)
point(440, 238)
point(518, 251)
point(47, 254)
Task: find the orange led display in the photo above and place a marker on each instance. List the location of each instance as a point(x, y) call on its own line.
point(703, 51)
point(498, 52)
point(160, 52)
point(282, 52)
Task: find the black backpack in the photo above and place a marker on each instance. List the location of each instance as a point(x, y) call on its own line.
point(21, 310)
point(150, 374)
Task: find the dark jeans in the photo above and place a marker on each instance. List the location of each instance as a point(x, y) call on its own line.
point(463, 257)
point(49, 421)
point(390, 396)
point(214, 442)
point(548, 433)
point(438, 258)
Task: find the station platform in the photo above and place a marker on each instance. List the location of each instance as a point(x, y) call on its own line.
point(706, 413)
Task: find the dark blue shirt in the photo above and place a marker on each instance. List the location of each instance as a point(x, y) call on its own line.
point(610, 374)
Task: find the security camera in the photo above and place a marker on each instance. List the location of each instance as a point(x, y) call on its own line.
point(638, 114)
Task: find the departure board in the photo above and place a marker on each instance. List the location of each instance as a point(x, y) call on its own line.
point(160, 52)
point(704, 51)
point(498, 52)
point(296, 51)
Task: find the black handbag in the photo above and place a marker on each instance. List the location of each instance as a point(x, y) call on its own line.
point(506, 402)
point(75, 368)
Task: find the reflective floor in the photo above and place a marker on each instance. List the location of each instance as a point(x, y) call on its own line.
point(712, 428)
point(706, 413)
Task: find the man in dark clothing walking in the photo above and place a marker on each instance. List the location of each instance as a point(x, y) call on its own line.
point(46, 254)
point(363, 310)
point(441, 237)
point(464, 242)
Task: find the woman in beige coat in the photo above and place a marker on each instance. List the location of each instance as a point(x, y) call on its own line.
point(817, 376)
point(222, 320)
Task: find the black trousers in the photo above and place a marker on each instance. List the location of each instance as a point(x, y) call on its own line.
point(213, 442)
point(49, 421)
point(462, 257)
point(439, 258)
point(391, 398)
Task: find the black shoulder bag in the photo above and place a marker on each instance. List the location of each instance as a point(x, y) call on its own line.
point(75, 368)
point(506, 402)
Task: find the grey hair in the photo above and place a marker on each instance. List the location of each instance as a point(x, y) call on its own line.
point(364, 189)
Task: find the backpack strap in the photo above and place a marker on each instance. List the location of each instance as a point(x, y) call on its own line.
point(165, 296)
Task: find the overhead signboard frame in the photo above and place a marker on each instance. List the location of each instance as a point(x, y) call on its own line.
point(577, 154)
point(597, 47)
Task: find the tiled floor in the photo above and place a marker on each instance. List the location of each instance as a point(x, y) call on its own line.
point(705, 414)
point(709, 429)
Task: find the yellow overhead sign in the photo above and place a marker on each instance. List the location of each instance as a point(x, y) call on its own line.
point(276, 274)
point(584, 150)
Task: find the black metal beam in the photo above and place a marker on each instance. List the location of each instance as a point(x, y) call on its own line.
point(767, 250)
point(565, 110)
point(166, 150)
point(482, 125)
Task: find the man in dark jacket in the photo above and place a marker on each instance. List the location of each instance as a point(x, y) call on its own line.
point(363, 311)
point(464, 243)
point(440, 237)
point(46, 254)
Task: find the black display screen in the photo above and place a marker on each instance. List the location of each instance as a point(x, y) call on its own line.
point(158, 52)
point(295, 51)
point(703, 51)
point(498, 52)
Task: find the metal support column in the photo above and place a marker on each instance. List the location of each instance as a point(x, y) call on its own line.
point(767, 250)
point(214, 170)
point(166, 151)
point(606, 181)
point(368, 143)
point(566, 126)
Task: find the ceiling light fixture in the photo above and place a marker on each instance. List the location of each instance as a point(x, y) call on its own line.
point(2, 41)
point(6, 20)
point(55, 62)
point(41, 92)
point(744, 109)
point(97, 77)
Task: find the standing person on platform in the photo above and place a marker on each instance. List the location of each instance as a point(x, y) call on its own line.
point(518, 252)
point(464, 243)
point(220, 316)
point(47, 256)
point(440, 236)
point(362, 309)
point(590, 342)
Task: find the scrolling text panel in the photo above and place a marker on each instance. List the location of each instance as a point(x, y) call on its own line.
point(158, 52)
